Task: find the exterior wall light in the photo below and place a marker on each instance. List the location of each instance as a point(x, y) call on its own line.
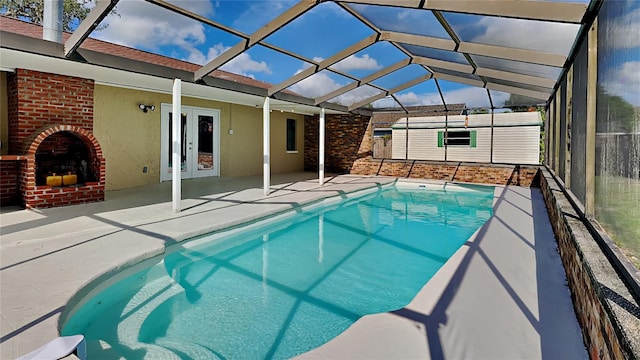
point(146, 108)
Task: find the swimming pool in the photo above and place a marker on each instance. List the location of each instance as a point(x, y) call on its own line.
point(284, 288)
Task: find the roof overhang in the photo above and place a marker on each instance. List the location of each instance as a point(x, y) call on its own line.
point(23, 52)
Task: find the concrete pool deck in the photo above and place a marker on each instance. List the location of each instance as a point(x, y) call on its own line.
point(502, 295)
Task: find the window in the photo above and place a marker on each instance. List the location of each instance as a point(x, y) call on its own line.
point(457, 138)
point(291, 135)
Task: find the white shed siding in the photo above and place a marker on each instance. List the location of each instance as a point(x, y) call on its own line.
point(480, 153)
point(398, 139)
point(516, 138)
point(517, 145)
point(423, 145)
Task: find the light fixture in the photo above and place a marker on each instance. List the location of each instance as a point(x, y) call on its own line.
point(146, 108)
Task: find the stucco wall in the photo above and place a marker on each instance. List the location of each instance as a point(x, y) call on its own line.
point(130, 139)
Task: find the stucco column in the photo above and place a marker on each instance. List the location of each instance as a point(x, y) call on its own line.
point(176, 122)
point(266, 113)
point(321, 148)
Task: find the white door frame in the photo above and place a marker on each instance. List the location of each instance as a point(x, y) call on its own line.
point(191, 169)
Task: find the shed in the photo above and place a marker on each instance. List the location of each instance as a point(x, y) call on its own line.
point(515, 138)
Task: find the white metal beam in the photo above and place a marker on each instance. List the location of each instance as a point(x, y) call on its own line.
point(292, 80)
point(179, 10)
point(458, 79)
point(389, 69)
point(368, 100)
point(396, 89)
point(257, 36)
point(463, 68)
point(86, 27)
point(266, 143)
point(411, 83)
point(509, 53)
point(176, 146)
point(518, 91)
point(591, 128)
point(514, 77)
point(221, 59)
point(337, 92)
point(402, 3)
point(280, 21)
point(325, 63)
point(503, 52)
point(531, 10)
point(419, 40)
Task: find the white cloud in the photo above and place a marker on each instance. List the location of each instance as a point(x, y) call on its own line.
point(241, 64)
point(145, 26)
point(413, 99)
point(353, 62)
point(204, 8)
point(320, 84)
point(356, 95)
point(550, 37)
point(315, 85)
point(471, 96)
point(197, 57)
point(624, 81)
point(244, 65)
point(623, 31)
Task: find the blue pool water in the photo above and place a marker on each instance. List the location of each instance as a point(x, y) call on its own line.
point(280, 290)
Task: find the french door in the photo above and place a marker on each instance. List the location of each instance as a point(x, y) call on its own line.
point(200, 142)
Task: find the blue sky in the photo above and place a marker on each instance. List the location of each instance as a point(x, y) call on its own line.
point(316, 35)
point(619, 52)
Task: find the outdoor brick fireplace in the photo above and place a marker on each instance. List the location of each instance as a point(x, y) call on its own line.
point(58, 160)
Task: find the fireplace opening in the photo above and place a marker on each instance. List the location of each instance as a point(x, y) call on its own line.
point(64, 159)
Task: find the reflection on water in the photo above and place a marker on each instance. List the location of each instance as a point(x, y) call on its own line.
point(279, 291)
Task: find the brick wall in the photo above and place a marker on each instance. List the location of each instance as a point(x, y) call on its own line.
point(606, 311)
point(47, 109)
point(345, 141)
point(348, 149)
point(9, 183)
point(38, 99)
point(521, 175)
point(12, 112)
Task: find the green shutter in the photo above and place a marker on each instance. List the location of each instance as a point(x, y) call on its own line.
point(440, 138)
point(473, 139)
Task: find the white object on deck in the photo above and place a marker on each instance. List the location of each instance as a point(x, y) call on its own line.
point(59, 348)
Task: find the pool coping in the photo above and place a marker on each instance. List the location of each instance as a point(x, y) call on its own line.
point(404, 333)
point(133, 265)
point(51, 257)
point(144, 245)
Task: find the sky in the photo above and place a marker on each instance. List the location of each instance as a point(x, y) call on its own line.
point(325, 30)
point(619, 51)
